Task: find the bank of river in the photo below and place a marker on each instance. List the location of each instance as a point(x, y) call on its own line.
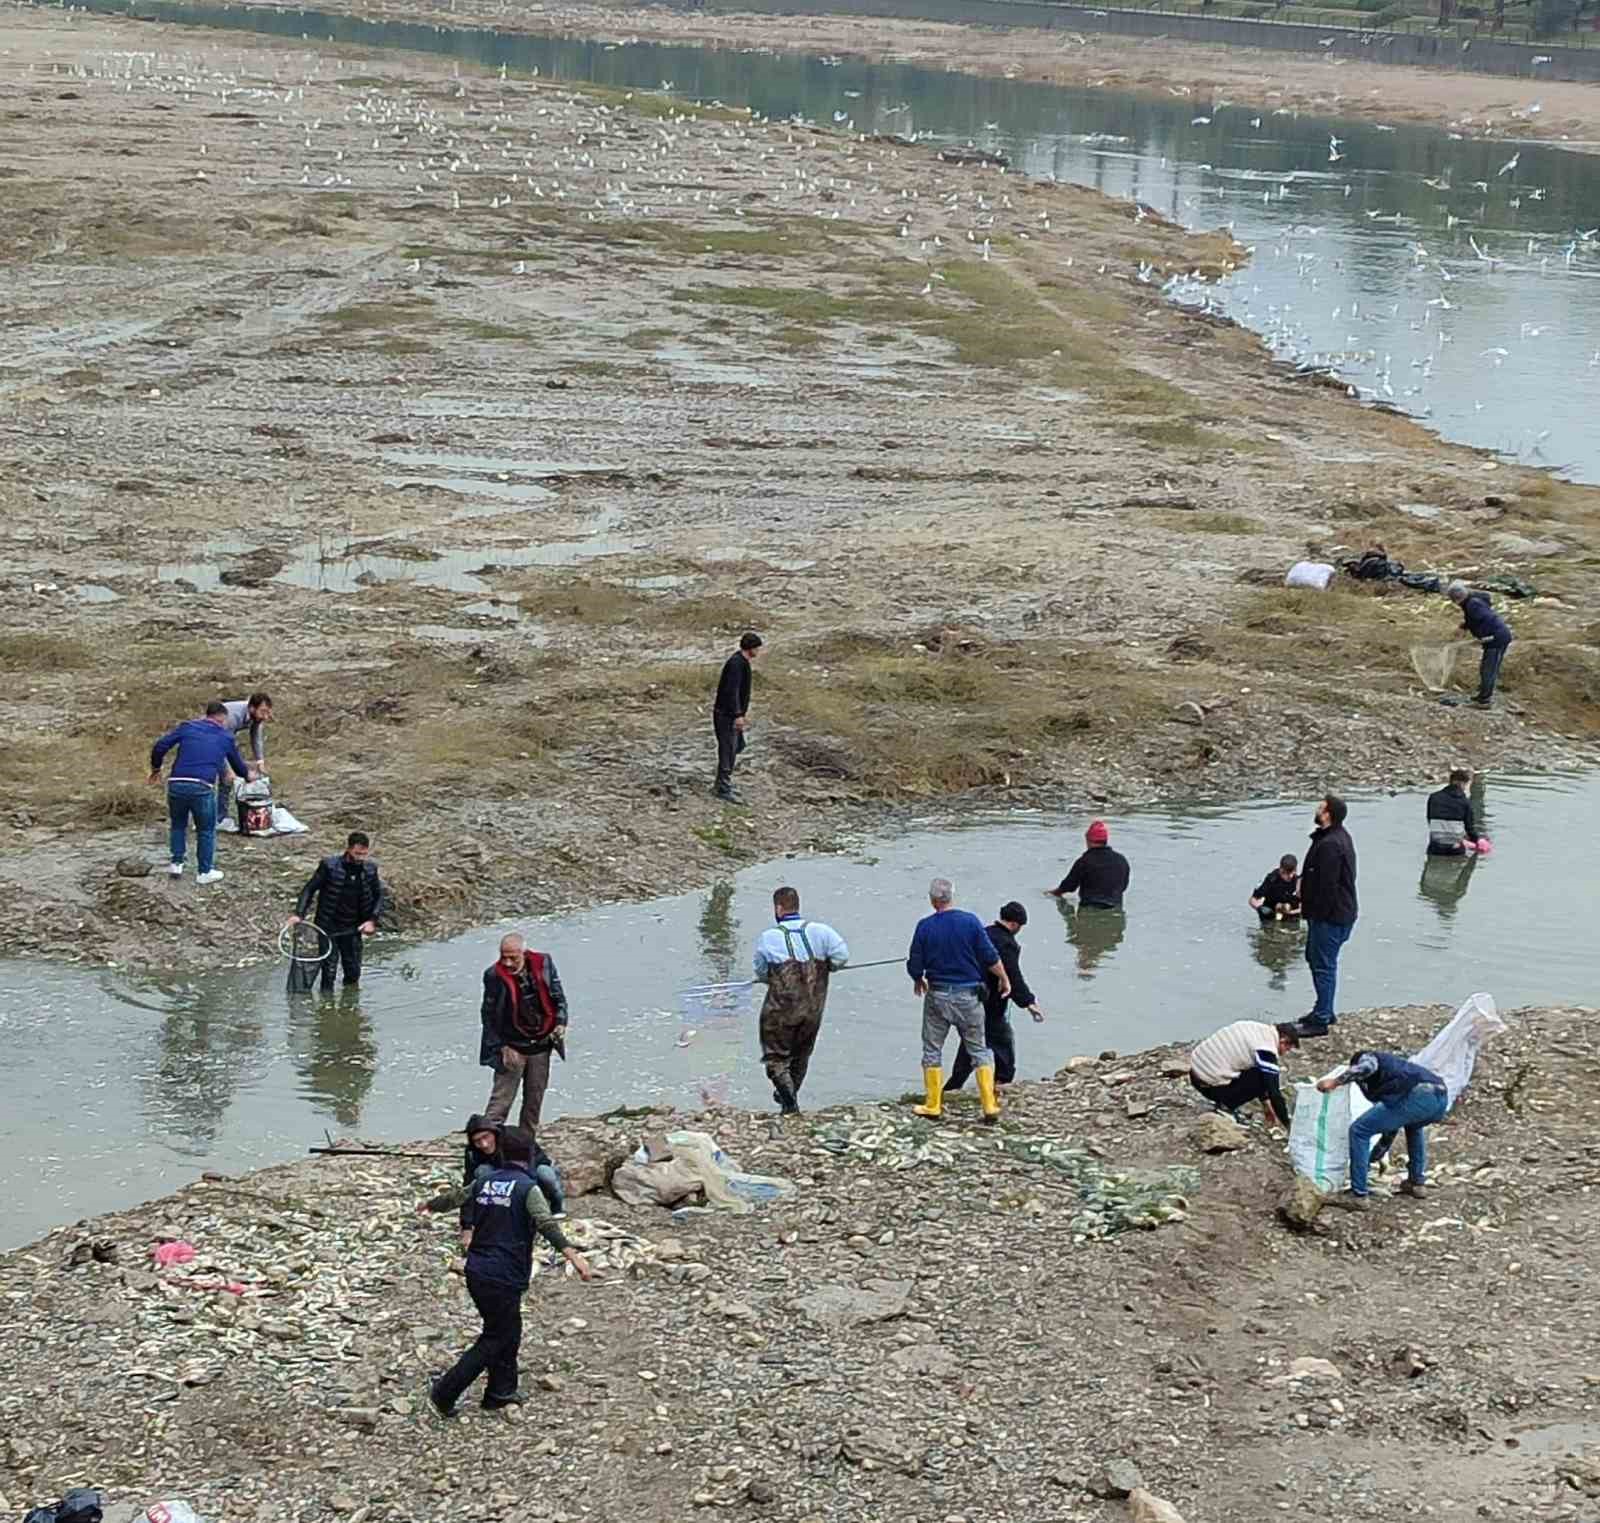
point(121, 1088)
point(1450, 277)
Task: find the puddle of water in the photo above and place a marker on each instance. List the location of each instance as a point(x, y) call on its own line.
point(118, 1087)
point(735, 555)
point(1554, 1438)
point(520, 492)
point(689, 364)
point(92, 592)
point(1434, 272)
point(488, 465)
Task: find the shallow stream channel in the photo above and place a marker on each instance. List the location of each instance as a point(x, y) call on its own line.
point(118, 1087)
point(1455, 278)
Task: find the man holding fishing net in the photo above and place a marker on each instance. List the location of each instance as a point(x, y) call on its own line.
point(794, 958)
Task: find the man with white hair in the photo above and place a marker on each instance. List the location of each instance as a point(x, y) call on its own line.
point(950, 953)
point(524, 1014)
point(1485, 626)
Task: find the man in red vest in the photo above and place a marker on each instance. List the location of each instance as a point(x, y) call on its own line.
point(524, 1020)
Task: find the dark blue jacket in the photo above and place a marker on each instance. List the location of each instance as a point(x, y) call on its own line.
point(502, 1229)
point(203, 748)
point(1391, 1078)
point(951, 947)
point(1482, 622)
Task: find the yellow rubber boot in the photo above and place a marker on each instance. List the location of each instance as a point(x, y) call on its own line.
point(933, 1083)
point(991, 1106)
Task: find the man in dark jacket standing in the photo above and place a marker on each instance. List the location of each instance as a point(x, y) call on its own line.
point(351, 900)
point(997, 1032)
point(503, 1214)
point(729, 711)
point(1100, 876)
point(1485, 626)
point(1328, 903)
point(524, 1015)
point(1450, 819)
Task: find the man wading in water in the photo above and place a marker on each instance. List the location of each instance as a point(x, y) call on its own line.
point(794, 959)
point(524, 1016)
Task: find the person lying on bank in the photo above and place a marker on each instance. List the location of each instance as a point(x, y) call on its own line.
point(1239, 1063)
point(1278, 895)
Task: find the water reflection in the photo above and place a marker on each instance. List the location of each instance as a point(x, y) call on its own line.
point(1278, 946)
point(719, 935)
point(1444, 882)
point(205, 1049)
point(335, 1052)
point(1093, 934)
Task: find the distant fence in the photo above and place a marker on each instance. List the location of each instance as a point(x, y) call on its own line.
point(1576, 56)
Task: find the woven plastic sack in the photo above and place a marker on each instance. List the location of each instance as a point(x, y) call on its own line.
point(1453, 1053)
point(1319, 1134)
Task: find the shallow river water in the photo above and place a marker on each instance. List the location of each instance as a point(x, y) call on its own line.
point(1458, 279)
point(116, 1087)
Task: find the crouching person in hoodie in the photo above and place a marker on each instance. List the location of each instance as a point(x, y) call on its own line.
point(506, 1210)
point(483, 1147)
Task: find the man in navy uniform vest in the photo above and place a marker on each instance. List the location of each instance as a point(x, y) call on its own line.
point(505, 1209)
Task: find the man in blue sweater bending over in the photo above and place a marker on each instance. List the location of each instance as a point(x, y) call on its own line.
point(204, 747)
point(950, 953)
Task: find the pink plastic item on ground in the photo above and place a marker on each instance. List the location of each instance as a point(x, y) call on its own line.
point(173, 1253)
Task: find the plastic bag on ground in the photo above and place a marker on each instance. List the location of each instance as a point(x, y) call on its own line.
point(1316, 574)
point(174, 1511)
point(80, 1505)
point(1453, 1053)
point(695, 1155)
point(1319, 1133)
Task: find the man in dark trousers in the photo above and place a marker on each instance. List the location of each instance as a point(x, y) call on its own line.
point(504, 1211)
point(1100, 876)
point(794, 958)
point(997, 1032)
point(1485, 626)
point(351, 900)
point(1328, 903)
point(1277, 896)
point(524, 1015)
point(1450, 819)
point(205, 753)
point(729, 712)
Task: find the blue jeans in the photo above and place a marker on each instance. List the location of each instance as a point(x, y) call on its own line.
point(198, 800)
point(1324, 941)
point(1425, 1104)
point(549, 1183)
point(1489, 670)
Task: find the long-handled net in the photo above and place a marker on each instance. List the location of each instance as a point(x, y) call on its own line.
point(1436, 664)
point(307, 947)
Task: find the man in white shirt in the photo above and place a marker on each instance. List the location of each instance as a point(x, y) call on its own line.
point(1240, 1063)
point(794, 959)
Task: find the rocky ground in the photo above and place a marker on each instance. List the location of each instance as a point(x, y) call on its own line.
point(930, 1327)
point(475, 417)
point(1472, 104)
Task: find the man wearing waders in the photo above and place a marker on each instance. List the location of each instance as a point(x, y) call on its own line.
point(794, 959)
point(950, 953)
point(350, 901)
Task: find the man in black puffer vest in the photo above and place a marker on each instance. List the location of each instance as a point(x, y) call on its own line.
point(350, 901)
point(504, 1212)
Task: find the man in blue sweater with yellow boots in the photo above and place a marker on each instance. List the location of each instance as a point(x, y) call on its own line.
point(950, 953)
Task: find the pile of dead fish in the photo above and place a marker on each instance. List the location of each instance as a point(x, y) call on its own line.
point(1110, 1200)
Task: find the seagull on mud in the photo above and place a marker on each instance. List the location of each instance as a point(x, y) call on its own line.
point(1509, 164)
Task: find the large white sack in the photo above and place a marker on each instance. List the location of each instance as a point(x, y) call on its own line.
point(1319, 1134)
point(1453, 1053)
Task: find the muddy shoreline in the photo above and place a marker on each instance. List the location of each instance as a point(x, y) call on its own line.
point(823, 1357)
point(479, 457)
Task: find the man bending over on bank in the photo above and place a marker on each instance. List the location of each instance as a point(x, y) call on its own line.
point(1404, 1096)
point(250, 714)
point(350, 900)
point(524, 1015)
point(950, 953)
point(205, 752)
point(505, 1211)
point(1491, 632)
point(794, 959)
point(1239, 1064)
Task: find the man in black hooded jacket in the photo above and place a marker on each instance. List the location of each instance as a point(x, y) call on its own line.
point(997, 1032)
point(350, 900)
